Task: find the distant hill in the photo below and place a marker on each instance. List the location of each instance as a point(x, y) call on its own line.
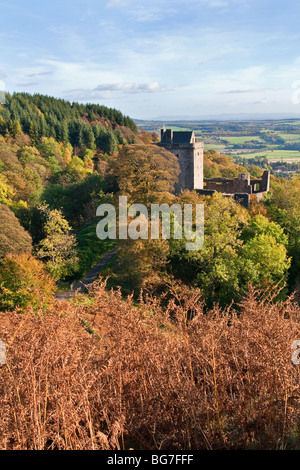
point(223, 117)
point(90, 125)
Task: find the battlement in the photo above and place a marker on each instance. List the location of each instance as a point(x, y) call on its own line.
point(170, 137)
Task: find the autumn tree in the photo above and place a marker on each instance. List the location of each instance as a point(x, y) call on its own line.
point(144, 171)
point(283, 204)
point(140, 264)
point(6, 191)
point(24, 283)
point(57, 249)
point(237, 251)
point(13, 238)
point(215, 267)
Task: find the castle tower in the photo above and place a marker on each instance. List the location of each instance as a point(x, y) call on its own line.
point(190, 155)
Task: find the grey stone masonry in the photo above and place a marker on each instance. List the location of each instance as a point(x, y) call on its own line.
point(242, 184)
point(241, 188)
point(190, 155)
point(189, 152)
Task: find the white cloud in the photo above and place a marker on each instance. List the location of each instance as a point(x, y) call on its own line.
point(223, 3)
point(216, 3)
point(116, 3)
point(145, 14)
point(153, 87)
point(245, 91)
point(108, 91)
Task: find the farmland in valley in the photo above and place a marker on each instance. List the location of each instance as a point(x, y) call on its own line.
point(276, 140)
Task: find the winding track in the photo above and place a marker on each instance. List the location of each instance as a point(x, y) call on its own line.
point(90, 277)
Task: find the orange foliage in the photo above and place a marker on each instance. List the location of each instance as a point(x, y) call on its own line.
point(113, 376)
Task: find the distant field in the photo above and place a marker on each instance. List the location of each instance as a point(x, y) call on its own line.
point(185, 129)
point(290, 137)
point(217, 147)
point(285, 160)
point(243, 139)
point(276, 154)
point(222, 136)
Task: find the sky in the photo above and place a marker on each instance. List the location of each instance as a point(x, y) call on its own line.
point(156, 58)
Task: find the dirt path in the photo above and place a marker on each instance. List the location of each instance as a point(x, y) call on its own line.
point(90, 277)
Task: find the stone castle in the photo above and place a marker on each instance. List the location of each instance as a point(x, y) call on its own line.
point(189, 152)
point(190, 155)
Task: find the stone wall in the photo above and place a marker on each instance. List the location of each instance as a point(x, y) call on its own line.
point(230, 186)
point(262, 185)
point(191, 165)
point(243, 184)
point(190, 157)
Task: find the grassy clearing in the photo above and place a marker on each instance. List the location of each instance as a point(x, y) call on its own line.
point(275, 154)
point(214, 147)
point(181, 129)
point(243, 139)
point(289, 137)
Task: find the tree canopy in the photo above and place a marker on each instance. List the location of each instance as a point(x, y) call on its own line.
point(144, 171)
point(13, 238)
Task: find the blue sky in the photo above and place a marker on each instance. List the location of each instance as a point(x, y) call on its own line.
point(155, 58)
